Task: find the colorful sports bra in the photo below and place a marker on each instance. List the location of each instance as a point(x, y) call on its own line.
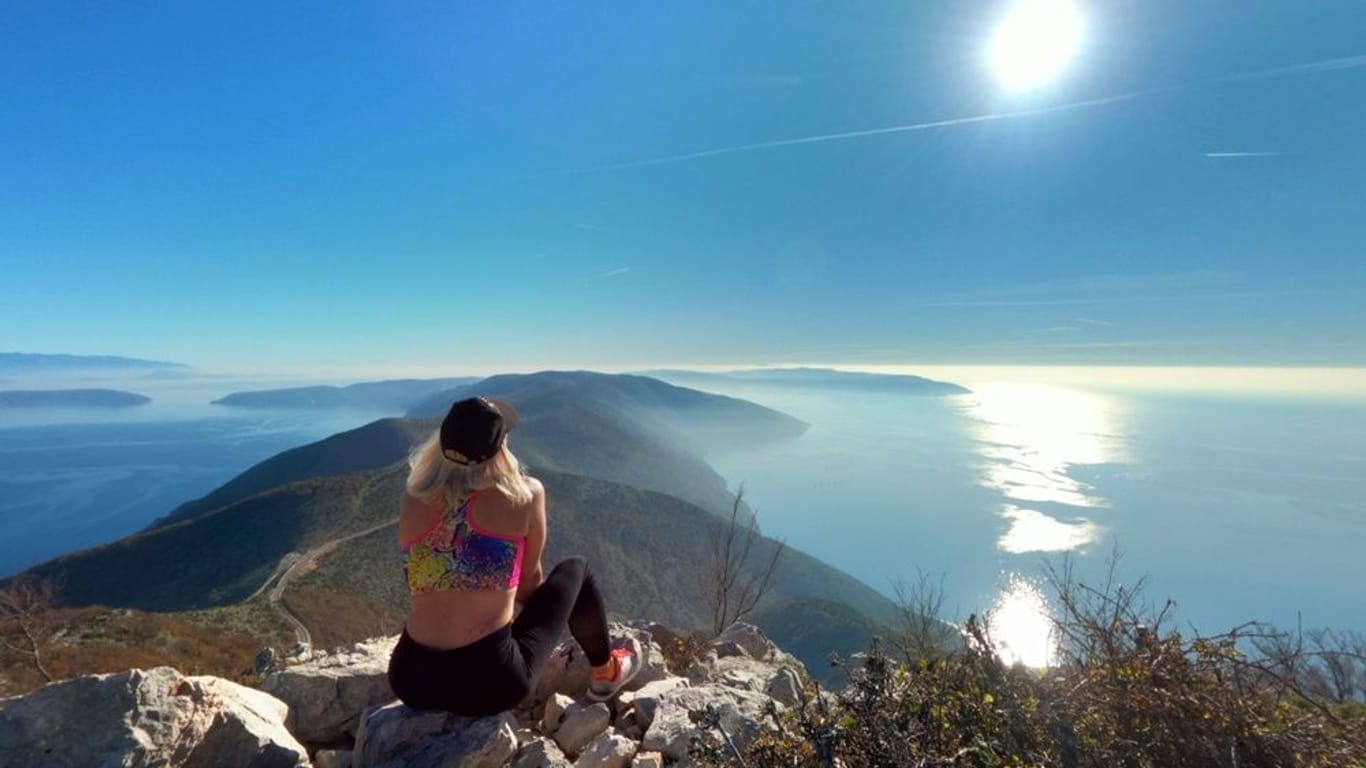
point(455, 553)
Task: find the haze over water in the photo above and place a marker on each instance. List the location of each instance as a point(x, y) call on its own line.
point(72, 478)
point(1236, 507)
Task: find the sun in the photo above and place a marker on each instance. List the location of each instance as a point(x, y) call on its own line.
point(1034, 43)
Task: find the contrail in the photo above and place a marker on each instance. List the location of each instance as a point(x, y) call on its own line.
point(1247, 154)
point(1327, 65)
point(845, 136)
point(615, 272)
point(1107, 300)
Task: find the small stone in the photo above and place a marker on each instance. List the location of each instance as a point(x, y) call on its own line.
point(622, 703)
point(555, 708)
point(580, 726)
point(266, 661)
point(749, 637)
point(785, 688)
point(729, 649)
point(608, 750)
point(332, 758)
point(630, 727)
point(648, 760)
point(541, 753)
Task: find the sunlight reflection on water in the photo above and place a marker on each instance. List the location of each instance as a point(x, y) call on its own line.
point(1020, 625)
point(1029, 436)
point(1032, 531)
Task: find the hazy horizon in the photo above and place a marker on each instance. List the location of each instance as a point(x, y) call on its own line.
point(1343, 382)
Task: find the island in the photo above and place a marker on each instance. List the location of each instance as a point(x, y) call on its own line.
point(70, 398)
point(817, 378)
point(396, 395)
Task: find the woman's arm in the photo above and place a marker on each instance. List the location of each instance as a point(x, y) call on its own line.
point(414, 518)
point(535, 545)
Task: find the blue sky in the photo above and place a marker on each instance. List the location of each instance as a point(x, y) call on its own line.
point(541, 185)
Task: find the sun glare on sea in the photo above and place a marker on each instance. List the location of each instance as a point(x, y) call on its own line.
point(1020, 625)
point(1034, 42)
point(1030, 435)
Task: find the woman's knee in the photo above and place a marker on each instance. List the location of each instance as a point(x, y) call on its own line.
point(577, 566)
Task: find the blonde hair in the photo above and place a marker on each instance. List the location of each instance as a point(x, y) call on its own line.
point(432, 476)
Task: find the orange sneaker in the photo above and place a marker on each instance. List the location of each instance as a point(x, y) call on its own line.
point(626, 663)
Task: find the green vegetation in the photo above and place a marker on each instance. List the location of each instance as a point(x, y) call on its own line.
point(224, 557)
point(94, 640)
point(1126, 692)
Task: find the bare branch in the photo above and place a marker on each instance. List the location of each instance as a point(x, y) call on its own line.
point(732, 585)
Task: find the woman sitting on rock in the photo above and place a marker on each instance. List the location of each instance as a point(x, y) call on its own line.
point(472, 528)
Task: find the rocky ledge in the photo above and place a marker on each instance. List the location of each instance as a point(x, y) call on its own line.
point(335, 709)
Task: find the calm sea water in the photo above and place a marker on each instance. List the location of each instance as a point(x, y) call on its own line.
point(72, 478)
point(1235, 508)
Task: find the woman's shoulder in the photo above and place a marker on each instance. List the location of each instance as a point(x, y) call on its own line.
point(494, 497)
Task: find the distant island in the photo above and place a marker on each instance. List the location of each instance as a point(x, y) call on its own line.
point(68, 398)
point(26, 362)
point(819, 378)
point(396, 395)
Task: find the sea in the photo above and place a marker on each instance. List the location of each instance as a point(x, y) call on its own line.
point(73, 478)
point(1235, 506)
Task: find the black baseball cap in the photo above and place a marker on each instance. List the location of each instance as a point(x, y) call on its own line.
point(473, 430)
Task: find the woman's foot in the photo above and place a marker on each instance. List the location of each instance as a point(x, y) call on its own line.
point(625, 662)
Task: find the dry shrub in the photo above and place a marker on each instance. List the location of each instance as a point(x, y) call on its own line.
point(1126, 692)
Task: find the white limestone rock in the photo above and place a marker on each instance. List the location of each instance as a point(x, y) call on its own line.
point(582, 723)
point(327, 693)
point(541, 753)
point(785, 687)
point(554, 713)
point(647, 698)
point(608, 750)
point(748, 637)
point(396, 736)
point(743, 714)
point(147, 718)
point(648, 760)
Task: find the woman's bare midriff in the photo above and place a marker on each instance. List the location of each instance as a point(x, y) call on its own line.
point(456, 618)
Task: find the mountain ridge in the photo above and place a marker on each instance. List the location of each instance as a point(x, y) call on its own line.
point(36, 362)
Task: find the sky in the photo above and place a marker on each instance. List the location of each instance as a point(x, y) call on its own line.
point(525, 185)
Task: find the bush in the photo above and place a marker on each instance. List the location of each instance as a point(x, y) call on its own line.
point(1125, 692)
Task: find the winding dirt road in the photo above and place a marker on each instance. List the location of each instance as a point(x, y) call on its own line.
point(290, 566)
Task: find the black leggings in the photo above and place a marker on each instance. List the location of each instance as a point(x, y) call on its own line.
point(497, 671)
